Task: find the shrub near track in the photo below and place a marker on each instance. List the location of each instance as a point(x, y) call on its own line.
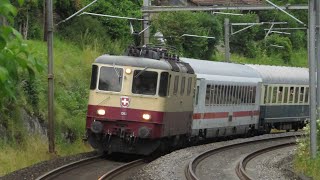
point(72, 75)
point(302, 161)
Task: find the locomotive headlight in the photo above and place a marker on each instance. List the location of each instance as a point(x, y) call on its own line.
point(101, 112)
point(128, 71)
point(146, 116)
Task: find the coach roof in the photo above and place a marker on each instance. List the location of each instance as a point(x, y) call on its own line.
point(221, 68)
point(282, 74)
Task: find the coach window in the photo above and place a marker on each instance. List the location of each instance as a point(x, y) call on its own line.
point(254, 91)
point(94, 75)
point(269, 96)
point(231, 95)
point(291, 94)
point(243, 94)
point(250, 95)
point(164, 83)
point(110, 79)
point(236, 95)
point(183, 85)
point(216, 96)
point(189, 86)
point(224, 97)
point(212, 96)
point(197, 95)
point(176, 84)
point(274, 94)
point(218, 99)
point(144, 82)
point(296, 95)
point(239, 94)
point(208, 95)
point(306, 98)
point(265, 94)
point(280, 94)
point(301, 95)
point(285, 94)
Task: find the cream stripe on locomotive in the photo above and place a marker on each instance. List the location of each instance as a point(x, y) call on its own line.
point(180, 91)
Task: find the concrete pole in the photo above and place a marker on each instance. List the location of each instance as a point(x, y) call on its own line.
point(312, 79)
point(317, 59)
point(50, 77)
point(146, 33)
point(226, 39)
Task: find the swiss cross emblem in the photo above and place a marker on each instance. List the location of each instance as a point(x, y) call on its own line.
point(124, 101)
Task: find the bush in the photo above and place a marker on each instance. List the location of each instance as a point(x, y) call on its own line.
point(302, 161)
point(285, 49)
point(174, 25)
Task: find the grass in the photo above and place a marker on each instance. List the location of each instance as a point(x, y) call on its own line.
point(34, 150)
point(302, 161)
point(72, 66)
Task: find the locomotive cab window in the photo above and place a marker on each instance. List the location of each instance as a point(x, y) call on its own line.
point(144, 82)
point(164, 84)
point(94, 75)
point(110, 79)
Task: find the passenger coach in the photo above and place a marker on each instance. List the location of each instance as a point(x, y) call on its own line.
point(284, 96)
point(226, 100)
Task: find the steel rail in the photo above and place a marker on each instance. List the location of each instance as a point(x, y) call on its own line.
point(241, 166)
point(191, 167)
point(119, 170)
point(67, 167)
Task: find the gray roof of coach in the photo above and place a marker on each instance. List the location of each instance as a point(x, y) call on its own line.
point(282, 74)
point(221, 68)
point(133, 61)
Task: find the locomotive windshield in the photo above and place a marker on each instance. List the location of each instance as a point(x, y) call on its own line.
point(110, 79)
point(144, 82)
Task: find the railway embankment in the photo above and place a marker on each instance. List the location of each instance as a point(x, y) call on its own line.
point(173, 165)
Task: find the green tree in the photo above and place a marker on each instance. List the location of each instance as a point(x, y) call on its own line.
point(14, 56)
point(244, 41)
point(284, 49)
point(174, 25)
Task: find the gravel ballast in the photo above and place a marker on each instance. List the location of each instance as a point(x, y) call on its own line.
point(172, 166)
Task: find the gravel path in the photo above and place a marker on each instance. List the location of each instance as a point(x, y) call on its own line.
point(172, 166)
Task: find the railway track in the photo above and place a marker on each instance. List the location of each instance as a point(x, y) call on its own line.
point(241, 165)
point(190, 170)
point(53, 174)
point(93, 168)
point(122, 170)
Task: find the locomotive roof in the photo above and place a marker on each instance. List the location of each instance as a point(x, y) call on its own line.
point(221, 68)
point(282, 74)
point(137, 62)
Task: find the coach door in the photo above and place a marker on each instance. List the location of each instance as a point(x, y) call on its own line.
point(196, 95)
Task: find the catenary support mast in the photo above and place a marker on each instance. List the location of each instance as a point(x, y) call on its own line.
point(50, 77)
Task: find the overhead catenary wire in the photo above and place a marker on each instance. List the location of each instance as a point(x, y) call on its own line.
point(77, 12)
point(112, 16)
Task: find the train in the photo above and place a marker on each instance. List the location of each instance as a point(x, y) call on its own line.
point(151, 99)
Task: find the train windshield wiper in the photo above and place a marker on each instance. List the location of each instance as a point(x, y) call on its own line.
point(115, 69)
point(140, 72)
